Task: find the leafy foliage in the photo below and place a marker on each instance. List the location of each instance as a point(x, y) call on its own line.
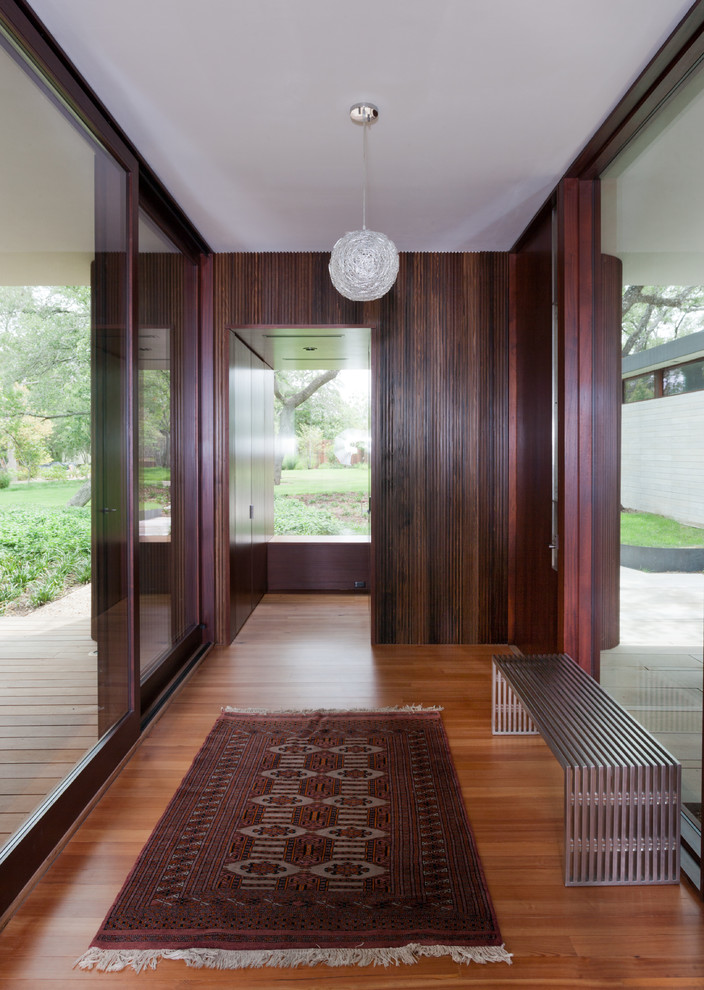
point(654, 314)
point(42, 553)
point(29, 437)
point(155, 415)
point(311, 410)
point(295, 518)
point(45, 358)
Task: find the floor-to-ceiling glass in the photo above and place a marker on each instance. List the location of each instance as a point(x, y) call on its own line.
point(64, 408)
point(653, 220)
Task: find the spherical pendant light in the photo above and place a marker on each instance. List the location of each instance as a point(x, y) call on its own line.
point(363, 263)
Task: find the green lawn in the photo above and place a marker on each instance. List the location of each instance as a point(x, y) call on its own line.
point(355, 479)
point(38, 494)
point(644, 529)
point(322, 502)
point(153, 475)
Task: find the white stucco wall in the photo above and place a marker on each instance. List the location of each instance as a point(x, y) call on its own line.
point(662, 461)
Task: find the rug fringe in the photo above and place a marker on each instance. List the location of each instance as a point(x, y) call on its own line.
point(330, 711)
point(114, 960)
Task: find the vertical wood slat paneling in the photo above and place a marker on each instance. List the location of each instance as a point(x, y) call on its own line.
point(439, 487)
point(439, 480)
point(532, 580)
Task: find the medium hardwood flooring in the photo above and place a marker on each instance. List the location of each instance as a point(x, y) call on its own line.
point(307, 651)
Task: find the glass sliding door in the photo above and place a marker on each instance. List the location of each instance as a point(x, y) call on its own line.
point(653, 221)
point(65, 552)
point(167, 460)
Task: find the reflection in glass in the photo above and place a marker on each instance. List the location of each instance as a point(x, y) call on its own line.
point(167, 452)
point(64, 661)
point(639, 388)
point(653, 220)
point(684, 378)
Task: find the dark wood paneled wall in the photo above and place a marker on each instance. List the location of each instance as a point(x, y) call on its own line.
point(439, 479)
point(318, 566)
point(532, 579)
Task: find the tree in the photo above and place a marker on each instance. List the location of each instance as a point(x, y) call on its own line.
point(28, 437)
point(653, 314)
point(45, 349)
point(292, 389)
point(155, 414)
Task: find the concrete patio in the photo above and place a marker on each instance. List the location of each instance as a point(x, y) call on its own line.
point(657, 671)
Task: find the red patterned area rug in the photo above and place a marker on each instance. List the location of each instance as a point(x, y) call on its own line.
point(304, 838)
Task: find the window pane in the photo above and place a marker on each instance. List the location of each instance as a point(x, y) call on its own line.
point(653, 221)
point(322, 477)
point(64, 659)
point(683, 378)
point(639, 388)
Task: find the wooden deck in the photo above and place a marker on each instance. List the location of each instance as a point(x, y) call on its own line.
point(303, 651)
point(48, 708)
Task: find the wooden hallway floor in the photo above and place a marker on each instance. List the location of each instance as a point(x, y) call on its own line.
point(307, 651)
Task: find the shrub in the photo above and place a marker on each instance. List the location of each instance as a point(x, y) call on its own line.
point(42, 552)
point(56, 472)
point(5, 479)
point(295, 518)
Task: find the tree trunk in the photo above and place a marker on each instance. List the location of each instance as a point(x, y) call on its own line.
point(82, 496)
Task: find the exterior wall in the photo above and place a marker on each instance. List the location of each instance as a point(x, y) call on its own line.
point(662, 466)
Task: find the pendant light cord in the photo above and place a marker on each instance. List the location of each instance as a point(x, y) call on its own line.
point(364, 174)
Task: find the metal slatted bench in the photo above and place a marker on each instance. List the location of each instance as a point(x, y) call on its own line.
point(622, 788)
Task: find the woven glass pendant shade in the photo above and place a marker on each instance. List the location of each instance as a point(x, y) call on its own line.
point(363, 263)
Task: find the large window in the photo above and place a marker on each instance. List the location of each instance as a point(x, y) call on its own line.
point(653, 220)
point(64, 411)
point(323, 463)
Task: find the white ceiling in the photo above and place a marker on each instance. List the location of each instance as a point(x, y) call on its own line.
point(311, 348)
point(241, 107)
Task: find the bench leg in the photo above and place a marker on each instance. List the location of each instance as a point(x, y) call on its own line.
point(509, 717)
point(622, 825)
